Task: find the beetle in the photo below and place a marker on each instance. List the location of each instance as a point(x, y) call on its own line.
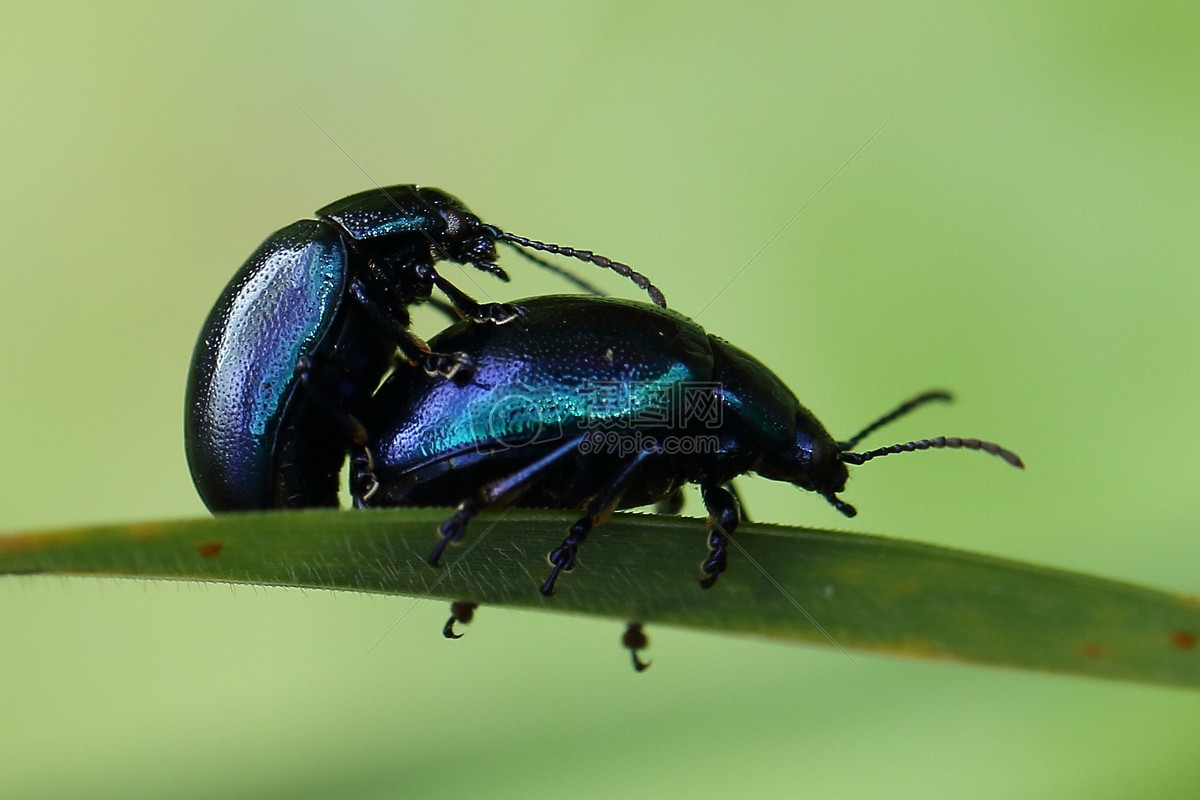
point(602, 404)
point(308, 327)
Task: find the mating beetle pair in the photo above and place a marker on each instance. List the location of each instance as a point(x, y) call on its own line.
point(530, 404)
point(308, 327)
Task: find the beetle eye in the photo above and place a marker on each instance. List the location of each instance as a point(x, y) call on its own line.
point(811, 446)
point(820, 453)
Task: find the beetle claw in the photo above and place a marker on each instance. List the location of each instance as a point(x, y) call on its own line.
point(713, 566)
point(562, 560)
point(448, 536)
point(460, 611)
point(563, 557)
point(495, 313)
point(451, 366)
point(452, 530)
point(547, 588)
point(363, 483)
point(635, 639)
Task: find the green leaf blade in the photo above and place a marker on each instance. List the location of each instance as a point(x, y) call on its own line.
point(865, 592)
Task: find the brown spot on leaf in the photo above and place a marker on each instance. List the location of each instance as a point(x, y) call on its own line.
point(1092, 650)
point(1183, 640)
point(209, 549)
point(14, 543)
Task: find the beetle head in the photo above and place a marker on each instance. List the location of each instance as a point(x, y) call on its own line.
point(812, 461)
point(465, 239)
point(824, 470)
point(844, 455)
point(468, 240)
point(818, 463)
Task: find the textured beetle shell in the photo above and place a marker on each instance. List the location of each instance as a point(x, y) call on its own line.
point(277, 308)
point(539, 384)
point(539, 378)
point(383, 212)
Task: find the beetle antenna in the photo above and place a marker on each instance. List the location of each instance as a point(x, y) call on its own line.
point(624, 270)
point(895, 414)
point(948, 442)
point(558, 270)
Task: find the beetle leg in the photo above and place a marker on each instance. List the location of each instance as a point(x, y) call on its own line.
point(460, 611)
point(562, 558)
point(363, 483)
point(394, 319)
point(451, 366)
point(722, 521)
point(447, 310)
point(495, 313)
point(635, 639)
point(737, 497)
point(497, 493)
point(452, 530)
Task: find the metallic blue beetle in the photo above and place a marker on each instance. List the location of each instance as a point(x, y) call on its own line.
point(601, 404)
point(308, 327)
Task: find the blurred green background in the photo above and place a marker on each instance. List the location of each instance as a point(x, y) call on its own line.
point(1024, 231)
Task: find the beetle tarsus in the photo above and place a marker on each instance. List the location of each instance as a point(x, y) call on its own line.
point(713, 566)
point(495, 313)
point(598, 508)
point(435, 558)
point(450, 533)
point(363, 483)
point(716, 563)
point(451, 366)
point(452, 530)
point(737, 499)
point(633, 640)
point(723, 520)
point(563, 557)
point(547, 588)
point(460, 611)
